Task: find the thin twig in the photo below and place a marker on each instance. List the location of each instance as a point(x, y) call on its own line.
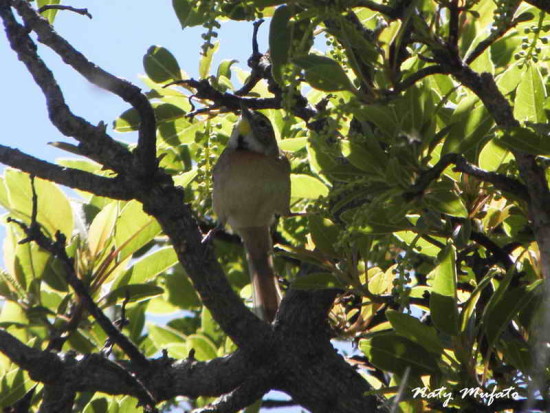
point(47, 7)
point(501, 182)
point(492, 38)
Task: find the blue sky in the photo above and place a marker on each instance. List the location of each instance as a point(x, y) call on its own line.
point(116, 39)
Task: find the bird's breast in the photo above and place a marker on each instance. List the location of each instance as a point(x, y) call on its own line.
point(250, 188)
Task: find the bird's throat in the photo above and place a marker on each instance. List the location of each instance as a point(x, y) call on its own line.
point(242, 144)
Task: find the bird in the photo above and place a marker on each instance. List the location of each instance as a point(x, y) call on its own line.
point(251, 186)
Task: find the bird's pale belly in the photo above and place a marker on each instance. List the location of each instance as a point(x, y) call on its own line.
point(250, 189)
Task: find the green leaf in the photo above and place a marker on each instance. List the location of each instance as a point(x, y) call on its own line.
point(148, 267)
point(81, 342)
point(411, 328)
point(134, 229)
point(471, 124)
point(317, 280)
point(367, 156)
point(279, 41)
point(209, 326)
point(324, 73)
point(31, 261)
point(164, 336)
point(530, 96)
point(12, 313)
point(307, 186)
point(180, 131)
point(517, 353)
point(14, 386)
point(187, 14)
point(166, 112)
point(185, 178)
point(383, 116)
point(505, 307)
point(203, 346)
point(492, 156)
point(324, 234)
point(443, 300)
point(206, 61)
point(421, 245)
point(54, 210)
point(525, 140)
point(181, 292)
point(469, 307)
point(161, 65)
point(48, 14)
point(509, 80)
point(102, 227)
point(224, 69)
point(392, 352)
point(293, 145)
point(127, 122)
point(448, 202)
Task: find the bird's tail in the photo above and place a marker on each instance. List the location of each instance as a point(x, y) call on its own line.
point(266, 292)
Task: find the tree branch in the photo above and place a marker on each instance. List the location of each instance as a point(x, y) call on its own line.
point(73, 178)
point(166, 378)
point(57, 249)
point(390, 12)
point(416, 77)
point(146, 148)
point(499, 181)
point(47, 7)
point(94, 142)
point(493, 37)
point(246, 394)
point(204, 90)
point(160, 198)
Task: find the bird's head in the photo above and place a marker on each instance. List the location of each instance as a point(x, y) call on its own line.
point(254, 132)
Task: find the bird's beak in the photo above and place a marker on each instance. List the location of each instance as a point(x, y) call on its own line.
point(244, 127)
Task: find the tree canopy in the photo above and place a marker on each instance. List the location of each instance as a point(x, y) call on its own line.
point(418, 137)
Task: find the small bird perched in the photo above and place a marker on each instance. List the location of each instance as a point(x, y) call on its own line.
point(251, 186)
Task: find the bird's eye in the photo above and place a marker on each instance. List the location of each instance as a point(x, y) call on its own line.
point(262, 123)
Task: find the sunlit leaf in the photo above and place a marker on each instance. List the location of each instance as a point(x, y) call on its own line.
point(530, 95)
point(443, 300)
point(323, 73)
point(306, 186)
point(161, 65)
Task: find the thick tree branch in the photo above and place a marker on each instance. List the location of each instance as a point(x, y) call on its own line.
point(166, 204)
point(246, 394)
point(306, 356)
point(73, 178)
point(161, 199)
point(165, 378)
point(94, 142)
point(146, 149)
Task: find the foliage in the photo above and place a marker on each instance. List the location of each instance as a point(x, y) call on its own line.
point(440, 287)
